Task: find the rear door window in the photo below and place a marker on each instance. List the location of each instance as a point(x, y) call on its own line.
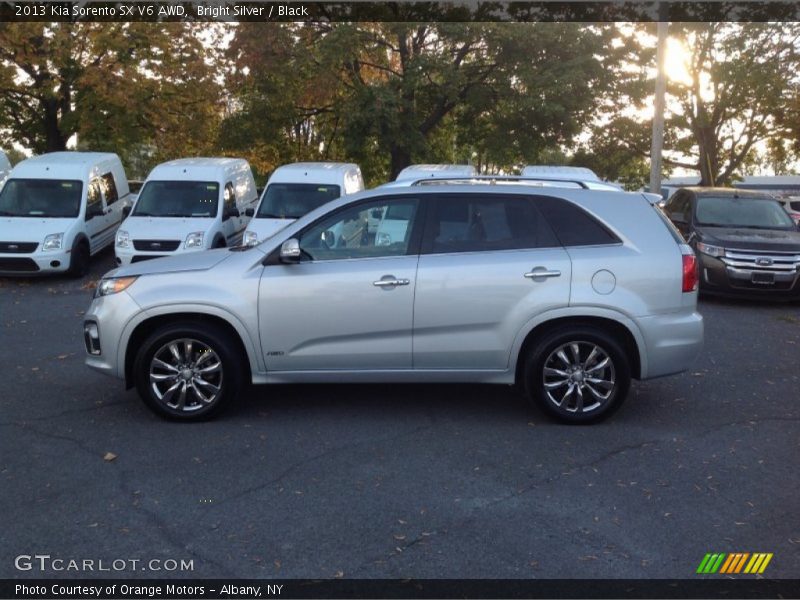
point(481, 223)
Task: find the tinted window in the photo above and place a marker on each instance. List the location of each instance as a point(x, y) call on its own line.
point(109, 188)
point(474, 223)
point(178, 199)
point(679, 206)
point(40, 198)
point(572, 225)
point(741, 212)
point(346, 234)
point(795, 205)
point(293, 200)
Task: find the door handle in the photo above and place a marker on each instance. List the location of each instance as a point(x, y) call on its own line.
point(390, 282)
point(542, 273)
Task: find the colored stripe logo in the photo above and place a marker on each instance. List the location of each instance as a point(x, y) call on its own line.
point(736, 562)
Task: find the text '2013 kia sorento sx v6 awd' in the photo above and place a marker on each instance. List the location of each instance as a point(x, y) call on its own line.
point(569, 293)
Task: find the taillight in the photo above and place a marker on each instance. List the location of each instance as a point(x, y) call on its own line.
point(691, 273)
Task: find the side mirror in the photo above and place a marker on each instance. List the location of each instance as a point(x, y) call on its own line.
point(234, 212)
point(290, 251)
point(249, 212)
point(126, 210)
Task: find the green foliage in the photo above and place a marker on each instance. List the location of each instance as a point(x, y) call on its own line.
point(123, 87)
point(391, 94)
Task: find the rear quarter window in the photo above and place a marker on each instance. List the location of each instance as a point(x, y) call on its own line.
point(572, 225)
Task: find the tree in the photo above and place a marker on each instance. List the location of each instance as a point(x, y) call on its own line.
point(732, 102)
point(116, 85)
point(389, 94)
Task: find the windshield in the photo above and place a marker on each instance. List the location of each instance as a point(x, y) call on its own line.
point(742, 212)
point(41, 198)
point(293, 200)
point(178, 199)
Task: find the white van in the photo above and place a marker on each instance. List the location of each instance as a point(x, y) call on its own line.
point(296, 189)
point(186, 205)
point(419, 171)
point(58, 209)
point(5, 168)
point(583, 175)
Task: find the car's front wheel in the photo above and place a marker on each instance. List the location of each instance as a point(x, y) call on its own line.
point(578, 374)
point(187, 372)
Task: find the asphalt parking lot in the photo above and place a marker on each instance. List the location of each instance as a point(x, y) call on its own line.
point(399, 481)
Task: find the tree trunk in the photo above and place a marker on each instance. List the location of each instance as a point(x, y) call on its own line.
point(709, 161)
point(55, 140)
point(401, 158)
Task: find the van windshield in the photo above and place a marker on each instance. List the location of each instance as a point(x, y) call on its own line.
point(178, 199)
point(52, 198)
point(293, 200)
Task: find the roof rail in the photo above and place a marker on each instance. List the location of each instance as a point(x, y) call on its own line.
point(516, 179)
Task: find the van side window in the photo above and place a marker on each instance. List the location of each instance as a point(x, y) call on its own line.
point(573, 225)
point(229, 196)
point(93, 195)
point(477, 223)
point(109, 188)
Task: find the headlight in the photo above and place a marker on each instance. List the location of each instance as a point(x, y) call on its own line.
point(194, 240)
point(710, 250)
point(53, 241)
point(123, 239)
point(114, 285)
point(250, 238)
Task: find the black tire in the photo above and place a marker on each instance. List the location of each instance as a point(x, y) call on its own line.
point(586, 376)
point(230, 381)
point(79, 259)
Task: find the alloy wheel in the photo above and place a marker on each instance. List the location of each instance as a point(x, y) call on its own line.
point(579, 377)
point(186, 375)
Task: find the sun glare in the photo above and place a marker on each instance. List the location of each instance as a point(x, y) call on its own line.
point(676, 62)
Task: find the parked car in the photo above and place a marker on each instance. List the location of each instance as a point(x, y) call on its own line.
point(792, 206)
point(187, 205)
point(557, 290)
point(438, 170)
point(296, 189)
point(58, 209)
point(5, 168)
point(583, 174)
point(746, 242)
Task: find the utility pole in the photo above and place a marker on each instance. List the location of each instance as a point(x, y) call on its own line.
point(658, 104)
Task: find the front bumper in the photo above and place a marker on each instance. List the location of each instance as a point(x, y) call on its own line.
point(37, 263)
point(716, 277)
point(112, 316)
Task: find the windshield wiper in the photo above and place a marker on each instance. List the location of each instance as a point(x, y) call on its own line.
point(5, 213)
point(271, 216)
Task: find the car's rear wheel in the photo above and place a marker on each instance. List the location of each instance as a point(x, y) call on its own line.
point(578, 374)
point(187, 372)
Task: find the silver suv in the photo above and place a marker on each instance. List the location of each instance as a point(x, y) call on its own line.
point(568, 293)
